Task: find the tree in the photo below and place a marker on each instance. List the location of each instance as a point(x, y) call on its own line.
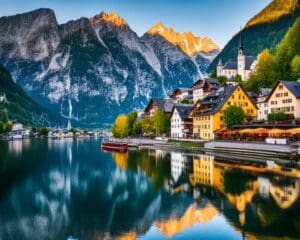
point(132, 116)
point(264, 74)
point(295, 67)
point(137, 128)
point(120, 126)
point(147, 126)
point(2, 127)
point(233, 115)
point(8, 126)
point(85, 132)
point(277, 116)
point(43, 131)
point(213, 73)
point(3, 116)
point(238, 78)
point(161, 122)
point(222, 79)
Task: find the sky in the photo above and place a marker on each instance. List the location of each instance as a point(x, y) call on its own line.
point(216, 19)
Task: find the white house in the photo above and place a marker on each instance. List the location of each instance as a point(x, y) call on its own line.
point(285, 97)
point(243, 66)
point(204, 87)
point(262, 104)
point(180, 94)
point(181, 124)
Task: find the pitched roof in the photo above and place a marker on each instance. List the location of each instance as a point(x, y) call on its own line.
point(217, 99)
point(264, 91)
point(293, 86)
point(249, 61)
point(230, 65)
point(183, 110)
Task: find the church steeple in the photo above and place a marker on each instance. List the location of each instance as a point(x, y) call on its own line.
point(241, 45)
point(220, 63)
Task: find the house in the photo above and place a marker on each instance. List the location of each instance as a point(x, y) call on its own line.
point(243, 66)
point(181, 123)
point(204, 87)
point(285, 97)
point(165, 104)
point(262, 104)
point(208, 114)
point(180, 94)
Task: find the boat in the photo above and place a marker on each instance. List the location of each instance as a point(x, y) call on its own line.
point(114, 146)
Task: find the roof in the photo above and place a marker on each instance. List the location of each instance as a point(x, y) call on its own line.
point(232, 65)
point(198, 83)
point(264, 91)
point(249, 61)
point(183, 110)
point(292, 86)
point(212, 82)
point(217, 99)
point(165, 104)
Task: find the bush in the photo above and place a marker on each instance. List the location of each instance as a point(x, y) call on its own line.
point(233, 115)
point(277, 116)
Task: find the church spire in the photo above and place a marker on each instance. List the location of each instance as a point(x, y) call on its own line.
point(220, 63)
point(241, 45)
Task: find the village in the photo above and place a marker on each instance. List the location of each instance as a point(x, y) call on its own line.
point(211, 110)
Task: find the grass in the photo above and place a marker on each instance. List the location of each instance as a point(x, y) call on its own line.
point(186, 143)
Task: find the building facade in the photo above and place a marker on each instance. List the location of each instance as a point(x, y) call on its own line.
point(262, 104)
point(243, 66)
point(285, 97)
point(208, 114)
point(204, 87)
point(181, 123)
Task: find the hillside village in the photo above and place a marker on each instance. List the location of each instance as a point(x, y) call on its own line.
point(199, 111)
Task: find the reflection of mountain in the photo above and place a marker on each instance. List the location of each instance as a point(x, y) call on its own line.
point(193, 214)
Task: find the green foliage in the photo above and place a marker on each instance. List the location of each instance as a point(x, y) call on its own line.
point(186, 143)
point(3, 116)
point(147, 126)
point(213, 73)
point(132, 116)
point(295, 67)
point(233, 115)
point(161, 122)
point(8, 126)
point(238, 78)
point(2, 127)
point(137, 128)
point(85, 132)
point(43, 131)
point(222, 79)
point(186, 101)
point(120, 126)
point(277, 116)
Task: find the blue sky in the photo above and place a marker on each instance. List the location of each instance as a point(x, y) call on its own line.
point(217, 19)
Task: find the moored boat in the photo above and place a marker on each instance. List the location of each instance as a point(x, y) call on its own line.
point(114, 146)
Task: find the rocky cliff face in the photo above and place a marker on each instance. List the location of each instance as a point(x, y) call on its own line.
point(89, 70)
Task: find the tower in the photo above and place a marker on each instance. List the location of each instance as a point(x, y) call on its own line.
point(220, 67)
point(241, 59)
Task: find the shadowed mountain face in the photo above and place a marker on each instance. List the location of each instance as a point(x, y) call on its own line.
point(89, 70)
point(264, 30)
point(19, 106)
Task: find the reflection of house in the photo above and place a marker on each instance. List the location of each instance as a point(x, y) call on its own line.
point(159, 103)
point(262, 104)
point(285, 97)
point(286, 195)
point(208, 114)
point(204, 87)
point(181, 123)
point(179, 165)
point(191, 216)
point(203, 167)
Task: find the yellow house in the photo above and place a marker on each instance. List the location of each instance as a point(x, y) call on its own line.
point(208, 113)
point(285, 97)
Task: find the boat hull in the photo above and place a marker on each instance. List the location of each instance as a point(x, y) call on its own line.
point(114, 147)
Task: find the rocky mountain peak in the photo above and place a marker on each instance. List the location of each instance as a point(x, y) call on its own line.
point(111, 18)
point(187, 41)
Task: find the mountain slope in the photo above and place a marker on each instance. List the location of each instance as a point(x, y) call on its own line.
point(19, 105)
point(265, 30)
point(89, 70)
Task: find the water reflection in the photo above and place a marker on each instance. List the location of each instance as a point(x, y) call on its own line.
point(69, 188)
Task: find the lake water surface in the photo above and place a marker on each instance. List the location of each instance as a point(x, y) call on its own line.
point(70, 189)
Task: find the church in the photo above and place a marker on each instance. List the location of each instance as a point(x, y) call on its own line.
point(243, 67)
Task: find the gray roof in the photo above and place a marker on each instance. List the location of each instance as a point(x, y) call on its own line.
point(249, 62)
point(264, 91)
point(183, 109)
point(230, 65)
point(165, 104)
point(293, 86)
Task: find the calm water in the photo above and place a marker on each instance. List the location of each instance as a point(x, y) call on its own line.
point(70, 189)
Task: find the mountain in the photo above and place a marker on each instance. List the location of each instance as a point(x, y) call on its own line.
point(19, 105)
point(90, 69)
point(264, 30)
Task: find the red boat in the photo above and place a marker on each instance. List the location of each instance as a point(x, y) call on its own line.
point(114, 146)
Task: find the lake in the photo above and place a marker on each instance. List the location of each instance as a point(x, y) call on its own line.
point(70, 189)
